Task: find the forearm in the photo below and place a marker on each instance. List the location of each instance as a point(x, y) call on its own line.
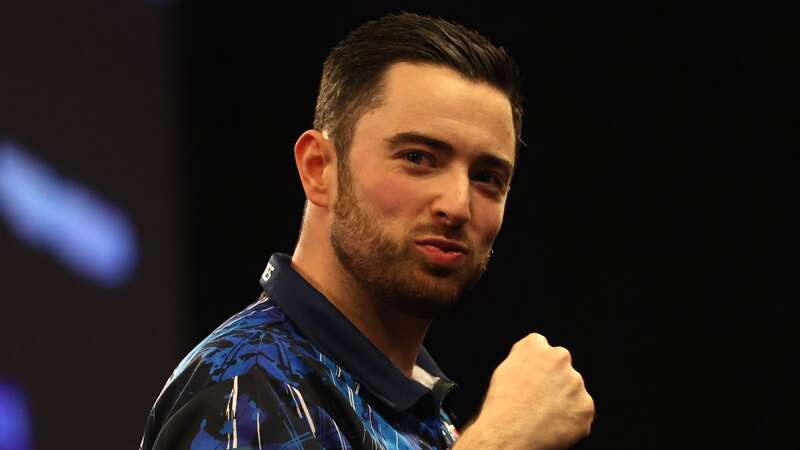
point(496, 437)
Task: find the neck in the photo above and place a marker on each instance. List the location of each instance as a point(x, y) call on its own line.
point(397, 335)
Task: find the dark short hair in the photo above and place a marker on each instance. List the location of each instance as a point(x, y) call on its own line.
point(354, 69)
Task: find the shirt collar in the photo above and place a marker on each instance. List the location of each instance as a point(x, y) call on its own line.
point(336, 336)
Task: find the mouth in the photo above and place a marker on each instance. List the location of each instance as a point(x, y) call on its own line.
point(445, 245)
point(443, 252)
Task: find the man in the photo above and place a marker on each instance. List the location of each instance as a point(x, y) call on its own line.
point(406, 176)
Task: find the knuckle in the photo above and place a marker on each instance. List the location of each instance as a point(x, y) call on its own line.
point(588, 401)
point(577, 379)
point(580, 379)
point(562, 354)
point(531, 341)
point(588, 406)
point(536, 337)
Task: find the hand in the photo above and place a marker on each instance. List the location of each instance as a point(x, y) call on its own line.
point(536, 400)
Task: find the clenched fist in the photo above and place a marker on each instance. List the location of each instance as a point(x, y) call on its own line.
point(536, 400)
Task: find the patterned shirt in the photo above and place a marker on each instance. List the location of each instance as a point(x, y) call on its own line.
point(291, 372)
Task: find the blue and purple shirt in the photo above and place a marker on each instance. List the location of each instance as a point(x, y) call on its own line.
point(291, 372)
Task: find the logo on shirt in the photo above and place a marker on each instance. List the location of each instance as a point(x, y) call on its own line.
point(267, 272)
point(454, 434)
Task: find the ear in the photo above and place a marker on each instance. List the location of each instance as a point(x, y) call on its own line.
point(315, 158)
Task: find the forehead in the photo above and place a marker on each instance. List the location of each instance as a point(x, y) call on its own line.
point(439, 102)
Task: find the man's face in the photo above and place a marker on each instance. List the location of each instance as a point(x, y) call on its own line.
point(423, 194)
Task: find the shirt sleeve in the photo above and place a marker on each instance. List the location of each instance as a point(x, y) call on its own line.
point(250, 411)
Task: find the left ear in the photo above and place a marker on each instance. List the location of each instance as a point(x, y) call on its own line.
point(315, 158)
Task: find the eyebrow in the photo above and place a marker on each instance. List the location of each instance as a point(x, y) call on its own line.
point(414, 137)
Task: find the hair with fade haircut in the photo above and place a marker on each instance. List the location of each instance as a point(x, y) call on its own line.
point(353, 72)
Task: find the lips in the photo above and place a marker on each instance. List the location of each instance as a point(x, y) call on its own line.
point(443, 253)
point(445, 245)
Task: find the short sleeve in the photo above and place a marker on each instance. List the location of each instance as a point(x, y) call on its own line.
point(251, 410)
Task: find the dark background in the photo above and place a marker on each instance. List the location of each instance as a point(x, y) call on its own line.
point(637, 227)
point(634, 233)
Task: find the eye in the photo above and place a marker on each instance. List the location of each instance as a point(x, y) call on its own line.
point(489, 177)
point(418, 158)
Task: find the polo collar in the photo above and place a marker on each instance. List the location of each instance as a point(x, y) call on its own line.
point(328, 329)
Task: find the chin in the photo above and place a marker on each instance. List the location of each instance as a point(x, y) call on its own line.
point(432, 292)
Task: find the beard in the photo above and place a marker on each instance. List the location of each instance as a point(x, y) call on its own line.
point(395, 272)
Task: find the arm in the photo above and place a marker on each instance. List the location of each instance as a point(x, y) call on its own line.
point(251, 410)
point(536, 401)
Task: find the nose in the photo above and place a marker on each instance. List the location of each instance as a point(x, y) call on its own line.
point(452, 204)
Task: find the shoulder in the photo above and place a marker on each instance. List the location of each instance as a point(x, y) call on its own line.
point(244, 378)
point(260, 335)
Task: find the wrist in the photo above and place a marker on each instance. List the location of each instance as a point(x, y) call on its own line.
point(480, 434)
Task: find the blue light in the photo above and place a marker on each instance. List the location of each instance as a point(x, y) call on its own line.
point(88, 235)
point(15, 426)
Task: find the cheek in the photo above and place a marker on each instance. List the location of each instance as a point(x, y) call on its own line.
point(389, 196)
point(487, 219)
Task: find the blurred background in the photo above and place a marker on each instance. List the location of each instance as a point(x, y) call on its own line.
point(146, 176)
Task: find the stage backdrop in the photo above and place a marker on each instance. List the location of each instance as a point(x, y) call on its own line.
point(92, 222)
